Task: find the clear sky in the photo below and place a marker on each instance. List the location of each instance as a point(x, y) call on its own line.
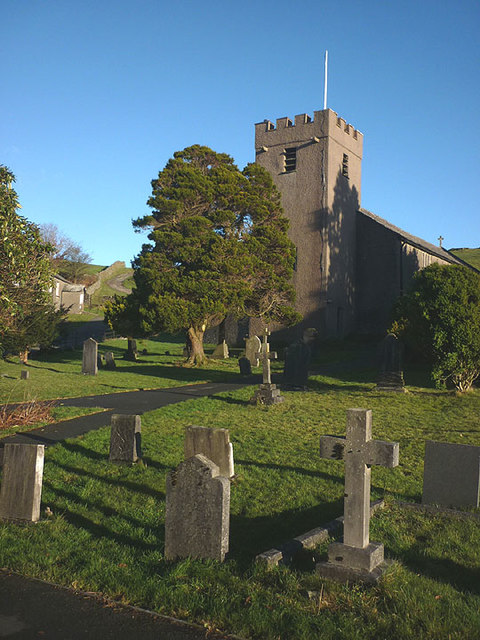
point(97, 95)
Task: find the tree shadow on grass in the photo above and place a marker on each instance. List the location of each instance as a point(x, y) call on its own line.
point(302, 471)
point(321, 385)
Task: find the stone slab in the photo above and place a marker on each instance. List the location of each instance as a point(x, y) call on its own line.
point(342, 574)
point(214, 444)
point(451, 475)
point(24, 374)
point(125, 438)
point(197, 511)
point(365, 559)
point(90, 357)
point(22, 480)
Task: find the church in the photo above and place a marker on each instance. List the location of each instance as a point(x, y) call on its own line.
point(351, 265)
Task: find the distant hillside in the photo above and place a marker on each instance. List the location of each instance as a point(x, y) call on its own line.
point(472, 256)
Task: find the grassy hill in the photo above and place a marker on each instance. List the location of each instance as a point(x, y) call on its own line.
point(472, 256)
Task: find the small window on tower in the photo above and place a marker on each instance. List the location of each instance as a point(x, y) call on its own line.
point(345, 165)
point(290, 159)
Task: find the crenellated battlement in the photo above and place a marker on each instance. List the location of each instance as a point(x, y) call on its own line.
point(303, 127)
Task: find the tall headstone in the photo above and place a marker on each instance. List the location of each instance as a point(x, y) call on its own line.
point(391, 365)
point(132, 352)
point(24, 374)
point(451, 474)
point(221, 351)
point(110, 361)
point(125, 438)
point(298, 356)
point(253, 346)
point(197, 511)
point(356, 558)
point(267, 393)
point(214, 444)
point(22, 479)
point(90, 354)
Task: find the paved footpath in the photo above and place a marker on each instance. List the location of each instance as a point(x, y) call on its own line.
point(32, 609)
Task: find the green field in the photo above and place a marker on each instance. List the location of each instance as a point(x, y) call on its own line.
point(106, 533)
point(472, 256)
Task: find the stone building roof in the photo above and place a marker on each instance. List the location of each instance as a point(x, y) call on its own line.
point(415, 241)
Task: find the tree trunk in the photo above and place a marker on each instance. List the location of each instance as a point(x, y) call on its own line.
point(23, 355)
point(196, 354)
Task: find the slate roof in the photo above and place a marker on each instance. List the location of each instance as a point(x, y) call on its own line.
point(440, 252)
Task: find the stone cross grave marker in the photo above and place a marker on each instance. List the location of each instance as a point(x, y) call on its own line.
point(89, 361)
point(197, 511)
point(451, 474)
point(214, 444)
point(252, 346)
point(125, 438)
point(22, 479)
point(357, 558)
point(267, 393)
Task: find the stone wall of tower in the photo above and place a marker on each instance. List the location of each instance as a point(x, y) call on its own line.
point(321, 203)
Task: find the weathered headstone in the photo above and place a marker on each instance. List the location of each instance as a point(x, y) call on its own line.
point(253, 345)
point(267, 393)
point(132, 352)
point(451, 474)
point(214, 444)
point(357, 558)
point(22, 479)
point(24, 374)
point(197, 511)
point(110, 360)
point(297, 361)
point(90, 354)
point(391, 365)
point(99, 361)
point(221, 351)
point(245, 366)
point(125, 438)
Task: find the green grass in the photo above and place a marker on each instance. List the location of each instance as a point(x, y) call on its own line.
point(106, 533)
point(58, 374)
point(105, 290)
point(472, 256)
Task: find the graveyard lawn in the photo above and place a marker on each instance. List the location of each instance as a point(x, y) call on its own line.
point(105, 528)
point(58, 374)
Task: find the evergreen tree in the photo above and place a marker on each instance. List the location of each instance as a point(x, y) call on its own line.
point(219, 245)
point(27, 315)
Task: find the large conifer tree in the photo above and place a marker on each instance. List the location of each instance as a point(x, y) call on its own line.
point(219, 245)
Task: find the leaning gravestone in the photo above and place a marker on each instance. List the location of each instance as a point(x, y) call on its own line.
point(90, 355)
point(214, 444)
point(110, 361)
point(451, 474)
point(245, 366)
point(357, 558)
point(125, 438)
point(22, 479)
point(197, 511)
point(221, 351)
point(253, 346)
point(391, 365)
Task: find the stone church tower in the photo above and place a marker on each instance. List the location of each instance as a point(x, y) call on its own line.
point(316, 165)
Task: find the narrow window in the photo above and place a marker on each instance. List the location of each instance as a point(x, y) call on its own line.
point(345, 165)
point(290, 159)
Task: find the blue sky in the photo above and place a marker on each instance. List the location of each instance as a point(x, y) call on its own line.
point(96, 97)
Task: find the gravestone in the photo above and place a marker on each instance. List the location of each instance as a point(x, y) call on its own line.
point(197, 511)
point(253, 346)
point(110, 361)
point(22, 479)
point(221, 351)
point(356, 558)
point(267, 393)
point(90, 355)
point(132, 352)
point(298, 356)
point(125, 438)
point(245, 366)
point(214, 444)
point(99, 361)
point(391, 365)
point(451, 474)
point(24, 374)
